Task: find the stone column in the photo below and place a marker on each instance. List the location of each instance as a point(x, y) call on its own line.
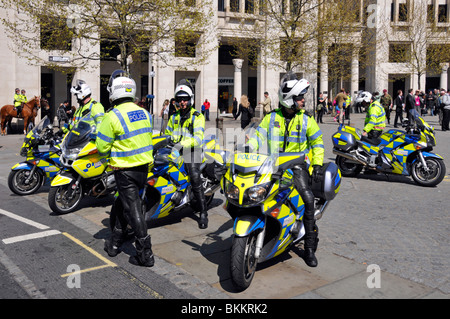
point(324, 72)
point(444, 76)
point(238, 78)
point(355, 75)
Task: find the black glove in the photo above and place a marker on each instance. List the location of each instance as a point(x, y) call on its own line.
point(317, 174)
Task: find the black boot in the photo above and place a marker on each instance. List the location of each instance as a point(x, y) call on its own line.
point(203, 221)
point(311, 240)
point(201, 205)
point(112, 245)
point(144, 251)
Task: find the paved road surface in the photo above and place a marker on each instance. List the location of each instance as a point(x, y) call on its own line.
point(376, 222)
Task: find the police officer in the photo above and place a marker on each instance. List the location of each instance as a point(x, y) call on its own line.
point(126, 135)
point(291, 129)
point(83, 92)
point(23, 96)
point(375, 121)
point(187, 127)
point(18, 101)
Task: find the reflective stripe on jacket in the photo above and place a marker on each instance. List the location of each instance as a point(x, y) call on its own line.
point(375, 117)
point(126, 135)
point(191, 132)
point(302, 134)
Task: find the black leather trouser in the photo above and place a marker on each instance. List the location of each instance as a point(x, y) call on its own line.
point(128, 206)
point(193, 169)
point(301, 182)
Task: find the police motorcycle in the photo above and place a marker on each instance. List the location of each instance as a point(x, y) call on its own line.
point(406, 153)
point(41, 150)
point(266, 208)
point(168, 189)
point(85, 172)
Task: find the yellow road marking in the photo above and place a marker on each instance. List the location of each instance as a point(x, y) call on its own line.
point(93, 252)
point(85, 270)
point(109, 263)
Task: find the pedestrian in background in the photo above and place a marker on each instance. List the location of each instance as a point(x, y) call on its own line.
point(205, 109)
point(445, 108)
point(321, 108)
point(246, 112)
point(386, 102)
point(399, 106)
point(431, 102)
point(266, 104)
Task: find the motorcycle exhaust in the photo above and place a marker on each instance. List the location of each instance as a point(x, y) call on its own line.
point(318, 213)
point(355, 159)
point(350, 157)
point(211, 190)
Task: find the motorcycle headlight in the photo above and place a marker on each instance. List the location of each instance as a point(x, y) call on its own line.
point(231, 191)
point(71, 154)
point(256, 194)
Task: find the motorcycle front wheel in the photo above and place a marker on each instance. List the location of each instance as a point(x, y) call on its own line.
point(17, 182)
point(59, 200)
point(430, 176)
point(243, 261)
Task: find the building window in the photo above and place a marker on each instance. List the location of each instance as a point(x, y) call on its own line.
point(226, 54)
point(403, 12)
point(109, 50)
point(399, 52)
point(185, 45)
point(249, 6)
point(430, 13)
point(221, 5)
point(392, 11)
point(442, 13)
point(234, 5)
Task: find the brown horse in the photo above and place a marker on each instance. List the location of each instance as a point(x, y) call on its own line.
point(29, 112)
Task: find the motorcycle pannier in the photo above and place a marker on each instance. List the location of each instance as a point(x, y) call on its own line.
point(329, 183)
point(344, 141)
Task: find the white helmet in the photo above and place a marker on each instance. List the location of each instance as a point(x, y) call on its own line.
point(291, 90)
point(184, 90)
point(363, 97)
point(121, 86)
point(81, 90)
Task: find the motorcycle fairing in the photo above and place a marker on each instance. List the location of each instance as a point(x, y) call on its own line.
point(62, 179)
point(90, 166)
point(245, 225)
point(166, 190)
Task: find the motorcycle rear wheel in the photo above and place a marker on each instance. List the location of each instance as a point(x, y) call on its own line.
point(16, 182)
point(243, 261)
point(59, 203)
point(431, 177)
point(348, 168)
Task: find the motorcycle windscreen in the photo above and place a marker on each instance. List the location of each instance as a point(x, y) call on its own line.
point(35, 132)
point(79, 135)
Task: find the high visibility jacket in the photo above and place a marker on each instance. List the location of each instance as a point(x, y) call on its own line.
point(125, 134)
point(299, 135)
point(97, 113)
point(17, 100)
point(348, 101)
point(375, 118)
point(23, 98)
point(189, 131)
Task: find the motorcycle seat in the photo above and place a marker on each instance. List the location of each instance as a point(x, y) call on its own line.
point(373, 142)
